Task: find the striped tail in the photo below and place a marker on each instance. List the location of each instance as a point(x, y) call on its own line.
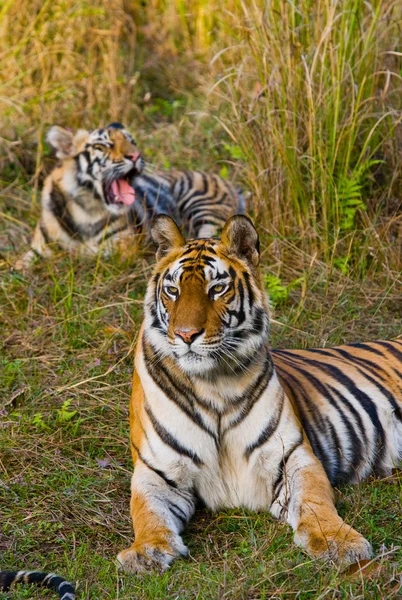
point(54, 582)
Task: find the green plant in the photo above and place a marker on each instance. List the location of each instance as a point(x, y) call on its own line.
point(39, 422)
point(278, 292)
point(350, 190)
point(64, 415)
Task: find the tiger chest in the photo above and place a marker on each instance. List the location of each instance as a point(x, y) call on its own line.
point(225, 464)
point(231, 480)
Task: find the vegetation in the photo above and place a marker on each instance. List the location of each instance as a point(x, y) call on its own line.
point(300, 103)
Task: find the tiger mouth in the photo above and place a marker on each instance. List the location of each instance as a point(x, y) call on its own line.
point(120, 191)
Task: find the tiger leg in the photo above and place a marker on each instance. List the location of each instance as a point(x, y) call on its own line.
point(38, 248)
point(159, 511)
point(308, 497)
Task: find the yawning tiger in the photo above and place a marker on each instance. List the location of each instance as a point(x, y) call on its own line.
point(101, 193)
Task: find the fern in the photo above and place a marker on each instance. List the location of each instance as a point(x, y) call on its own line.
point(64, 414)
point(350, 194)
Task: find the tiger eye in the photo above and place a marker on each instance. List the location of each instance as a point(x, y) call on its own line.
point(216, 289)
point(172, 290)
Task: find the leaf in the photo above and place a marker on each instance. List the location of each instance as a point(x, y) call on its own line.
point(104, 462)
point(342, 263)
point(276, 290)
point(63, 414)
point(235, 151)
point(39, 422)
point(224, 172)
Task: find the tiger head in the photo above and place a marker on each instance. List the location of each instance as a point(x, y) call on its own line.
point(105, 159)
point(205, 306)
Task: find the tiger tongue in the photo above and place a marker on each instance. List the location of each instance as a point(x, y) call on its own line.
point(123, 192)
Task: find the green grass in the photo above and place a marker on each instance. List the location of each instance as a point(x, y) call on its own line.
point(68, 337)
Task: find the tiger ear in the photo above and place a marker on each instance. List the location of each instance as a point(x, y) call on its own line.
point(166, 235)
point(62, 140)
point(65, 142)
point(241, 238)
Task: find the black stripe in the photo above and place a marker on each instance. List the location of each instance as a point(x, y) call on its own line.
point(368, 348)
point(364, 362)
point(356, 446)
point(390, 397)
point(58, 206)
point(315, 420)
point(177, 512)
point(268, 431)
point(282, 466)
point(158, 472)
point(249, 288)
point(177, 393)
point(364, 400)
point(156, 323)
point(47, 580)
point(388, 345)
point(259, 320)
point(352, 409)
point(36, 252)
point(202, 205)
point(168, 439)
point(254, 391)
point(186, 204)
point(45, 233)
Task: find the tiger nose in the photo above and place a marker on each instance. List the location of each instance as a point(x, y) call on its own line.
point(188, 335)
point(134, 156)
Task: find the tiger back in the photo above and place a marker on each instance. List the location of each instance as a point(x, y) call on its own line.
point(348, 399)
point(201, 202)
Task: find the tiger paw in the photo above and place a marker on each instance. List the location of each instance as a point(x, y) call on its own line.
point(342, 544)
point(142, 558)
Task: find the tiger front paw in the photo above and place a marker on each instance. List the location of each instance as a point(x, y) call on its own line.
point(158, 555)
point(341, 544)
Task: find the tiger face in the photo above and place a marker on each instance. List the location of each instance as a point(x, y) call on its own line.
point(105, 159)
point(205, 305)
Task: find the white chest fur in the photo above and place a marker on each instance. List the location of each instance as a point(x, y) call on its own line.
point(227, 465)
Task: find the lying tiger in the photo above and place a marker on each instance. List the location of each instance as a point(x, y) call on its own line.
point(216, 414)
point(101, 192)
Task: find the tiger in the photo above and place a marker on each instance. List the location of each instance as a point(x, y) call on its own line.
point(102, 191)
point(217, 415)
point(64, 588)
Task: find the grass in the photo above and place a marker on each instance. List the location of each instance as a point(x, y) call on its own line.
point(65, 462)
point(302, 122)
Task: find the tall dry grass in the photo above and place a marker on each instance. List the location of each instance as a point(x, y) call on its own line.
point(311, 93)
point(308, 95)
point(65, 58)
